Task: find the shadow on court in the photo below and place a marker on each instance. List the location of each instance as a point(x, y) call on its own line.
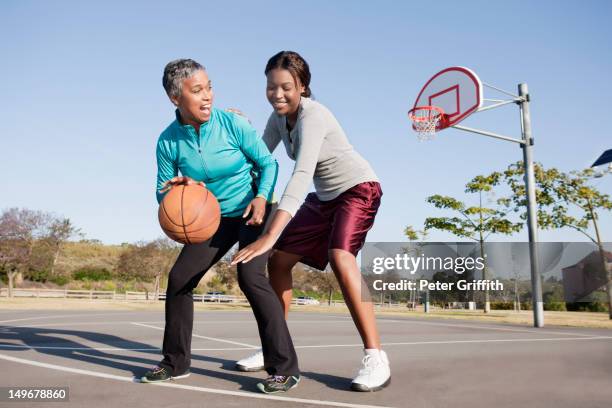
point(39, 338)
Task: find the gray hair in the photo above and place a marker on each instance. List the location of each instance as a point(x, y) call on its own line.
point(175, 72)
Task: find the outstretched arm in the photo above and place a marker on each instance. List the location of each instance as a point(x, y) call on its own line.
point(267, 240)
point(308, 147)
point(256, 151)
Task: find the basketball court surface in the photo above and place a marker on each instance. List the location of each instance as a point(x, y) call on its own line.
point(435, 363)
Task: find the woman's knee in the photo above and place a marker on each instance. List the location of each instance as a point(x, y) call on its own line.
point(344, 265)
point(281, 262)
point(251, 275)
point(179, 281)
point(341, 259)
point(274, 261)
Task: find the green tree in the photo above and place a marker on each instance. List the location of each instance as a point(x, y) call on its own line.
point(325, 282)
point(148, 261)
point(474, 222)
point(47, 248)
point(226, 275)
point(443, 298)
point(414, 235)
point(559, 196)
point(19, 230)
point(60, 230)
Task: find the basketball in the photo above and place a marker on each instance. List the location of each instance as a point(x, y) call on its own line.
point(189, 214)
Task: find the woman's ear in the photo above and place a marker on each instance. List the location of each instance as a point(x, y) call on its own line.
point(174, 100)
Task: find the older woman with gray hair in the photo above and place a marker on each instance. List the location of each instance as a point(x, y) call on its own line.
point(222, 151)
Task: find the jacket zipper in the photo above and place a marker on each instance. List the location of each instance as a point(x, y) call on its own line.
point(198, 138)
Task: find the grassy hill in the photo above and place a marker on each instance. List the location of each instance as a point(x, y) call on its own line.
point(77, 255)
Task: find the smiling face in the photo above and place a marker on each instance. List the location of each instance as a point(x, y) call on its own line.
point(196, 98)
point(284, 92)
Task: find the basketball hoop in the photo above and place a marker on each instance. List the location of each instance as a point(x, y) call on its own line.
point(426, 121)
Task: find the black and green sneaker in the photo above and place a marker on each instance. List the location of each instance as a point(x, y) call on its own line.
point(278, 383)
point(160, 374)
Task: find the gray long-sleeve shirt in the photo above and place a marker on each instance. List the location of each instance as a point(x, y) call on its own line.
point(322, 153)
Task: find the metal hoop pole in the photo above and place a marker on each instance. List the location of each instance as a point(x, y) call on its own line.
point(532, 226)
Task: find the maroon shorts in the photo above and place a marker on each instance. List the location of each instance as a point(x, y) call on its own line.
point(341, 223)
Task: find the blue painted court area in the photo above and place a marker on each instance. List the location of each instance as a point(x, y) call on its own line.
point(435, 363)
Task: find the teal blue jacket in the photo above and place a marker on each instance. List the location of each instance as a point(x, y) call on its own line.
point(225, 156)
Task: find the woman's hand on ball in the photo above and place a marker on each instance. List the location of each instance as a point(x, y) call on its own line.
point(257, 208)
point(179, 180)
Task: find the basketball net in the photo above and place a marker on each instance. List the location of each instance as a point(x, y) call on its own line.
point(426, 121)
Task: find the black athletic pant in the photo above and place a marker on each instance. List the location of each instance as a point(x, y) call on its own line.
point(191, 265)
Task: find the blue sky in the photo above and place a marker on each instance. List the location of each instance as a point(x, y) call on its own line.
point(83, 105)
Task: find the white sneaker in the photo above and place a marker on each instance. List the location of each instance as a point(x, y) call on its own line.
point(251, 363)
point(375, 373)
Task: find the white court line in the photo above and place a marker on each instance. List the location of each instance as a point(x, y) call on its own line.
point(163, 322)
point(73, 324)
point(408, 343)
point(60, 316)
point(470, 326)
point(254, 321)
point(347, 320)
point(416, 343)
point(185, 387)
point(23, 347)
point(202, 337)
